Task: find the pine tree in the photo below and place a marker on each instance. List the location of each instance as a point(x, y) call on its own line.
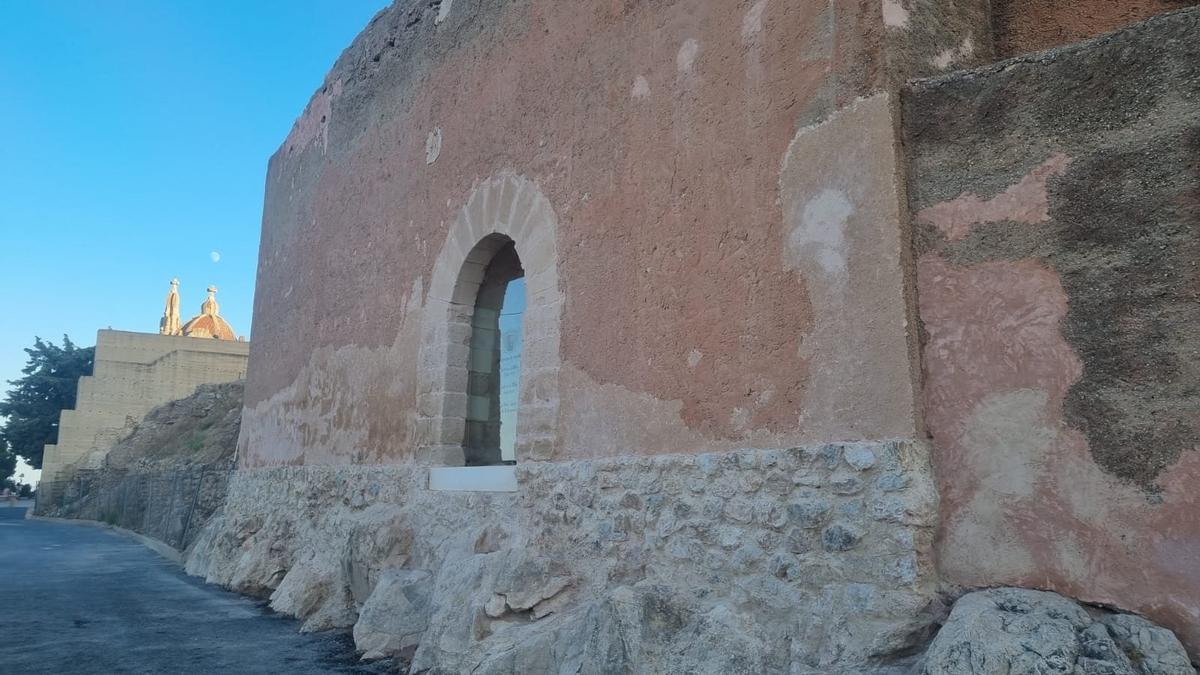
point(34, 402)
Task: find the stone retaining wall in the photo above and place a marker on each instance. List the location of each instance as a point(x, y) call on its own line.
point(814, 559)
point(170, 505)
point(163, 480)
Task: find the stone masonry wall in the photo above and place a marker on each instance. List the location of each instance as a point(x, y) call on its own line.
point(1056, 201)
point(809, 560)
point(171, 505)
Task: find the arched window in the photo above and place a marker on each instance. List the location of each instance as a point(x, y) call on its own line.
point(494, 357)
point(490, 338)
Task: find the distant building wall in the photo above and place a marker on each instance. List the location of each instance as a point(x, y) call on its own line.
point(133, 373)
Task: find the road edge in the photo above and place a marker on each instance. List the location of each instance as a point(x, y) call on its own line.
point(162, 549)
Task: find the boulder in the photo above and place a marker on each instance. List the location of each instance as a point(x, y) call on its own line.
point(396, 614)
point(314, 591)
point(1013, 631)
point(374, 544)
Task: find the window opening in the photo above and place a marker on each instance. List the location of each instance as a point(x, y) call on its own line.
point(494, 368)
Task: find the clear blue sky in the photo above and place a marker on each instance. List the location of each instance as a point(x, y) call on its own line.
point(136, 138)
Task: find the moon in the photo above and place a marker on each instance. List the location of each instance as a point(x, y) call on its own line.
point(215, 255)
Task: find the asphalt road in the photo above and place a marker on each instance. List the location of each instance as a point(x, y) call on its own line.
point(80, 599)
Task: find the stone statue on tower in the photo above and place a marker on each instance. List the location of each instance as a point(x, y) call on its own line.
point(209, 306)
point(169, 324)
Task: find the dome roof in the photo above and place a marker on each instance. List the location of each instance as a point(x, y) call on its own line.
point(209, 324)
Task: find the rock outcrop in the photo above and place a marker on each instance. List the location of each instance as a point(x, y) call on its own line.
point(1014, 631)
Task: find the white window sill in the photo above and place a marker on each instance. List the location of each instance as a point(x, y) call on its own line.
point(502, 478)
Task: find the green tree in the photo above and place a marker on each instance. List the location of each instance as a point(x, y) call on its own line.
point(8, 461)
point(35, 400)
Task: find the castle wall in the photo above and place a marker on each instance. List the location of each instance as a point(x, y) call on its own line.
point(712, 224)
point(133, 373)
point(703, 285)
point(725, 248)
point(1057, 218)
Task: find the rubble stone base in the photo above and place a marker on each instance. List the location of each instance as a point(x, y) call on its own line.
point(814, 559)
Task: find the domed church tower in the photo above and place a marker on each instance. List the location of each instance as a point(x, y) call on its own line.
point(208, 323)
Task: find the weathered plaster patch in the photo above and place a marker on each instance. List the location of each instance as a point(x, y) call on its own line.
point(1105, 503)
point(646, 422)
point(1007, 440)
point(947, 57)
point(841, 213)
point(983, 523)
point(1073, 556)
point(588, 409)
point(342, 406)
point(968, 357)
point(739, 419)
point(694, 357)
point(752, 21)
point(763, 391)
point(1015, 479)
point(820, 239)
point(987, 394)
point(641, 88)
point(320, 410)
point(895, 15)
point(1026, 202)
point(687, 55)
point(433, 145)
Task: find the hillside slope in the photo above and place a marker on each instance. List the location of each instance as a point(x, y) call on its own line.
point(167, 477)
